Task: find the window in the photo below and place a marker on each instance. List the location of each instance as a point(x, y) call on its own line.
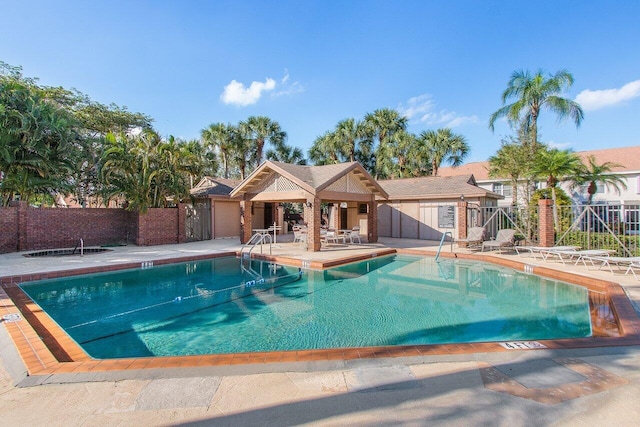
point(502, 189)
point(362, 208)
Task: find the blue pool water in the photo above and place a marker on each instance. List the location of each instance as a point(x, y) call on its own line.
point(216, 306)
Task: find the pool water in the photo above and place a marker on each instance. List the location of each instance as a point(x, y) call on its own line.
point(226, 305)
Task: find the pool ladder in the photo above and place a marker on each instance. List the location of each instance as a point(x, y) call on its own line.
point(442, 243)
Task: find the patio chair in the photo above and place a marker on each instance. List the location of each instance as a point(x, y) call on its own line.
point(299, 235)
point(504, 239)
point(474, 238)
point(330, 236)
point(355, 235)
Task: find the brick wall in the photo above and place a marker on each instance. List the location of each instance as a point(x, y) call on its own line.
point(48, 228)
point(8, 231)
point(23, 228)
point(157, 226)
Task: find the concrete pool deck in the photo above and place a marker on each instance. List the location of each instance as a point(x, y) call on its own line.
point(598, 385)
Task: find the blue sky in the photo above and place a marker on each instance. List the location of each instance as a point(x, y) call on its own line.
point(308, 65)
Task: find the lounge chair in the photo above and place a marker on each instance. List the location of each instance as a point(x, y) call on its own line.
point(474, 238)
point(504, 239)
point(632, 268)
point(609, 261)
point(570, 255)
point(543, 251)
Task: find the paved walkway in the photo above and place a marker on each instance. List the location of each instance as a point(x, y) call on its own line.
point(598, 386)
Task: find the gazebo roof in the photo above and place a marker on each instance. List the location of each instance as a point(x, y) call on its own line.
point(312, 179)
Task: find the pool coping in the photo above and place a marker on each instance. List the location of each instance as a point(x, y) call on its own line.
point(45, 349)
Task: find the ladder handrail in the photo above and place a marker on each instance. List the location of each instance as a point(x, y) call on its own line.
point(442, 242)
point(255, 240)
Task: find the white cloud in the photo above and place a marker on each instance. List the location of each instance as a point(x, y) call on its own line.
point(422, 109)
point(591, 100)
point(236, 93)
point(286, 88)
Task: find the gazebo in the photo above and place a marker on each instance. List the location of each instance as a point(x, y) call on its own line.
point(347, 188)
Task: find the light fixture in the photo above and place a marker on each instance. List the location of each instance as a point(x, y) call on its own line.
point(462, 197)
point(309, 205)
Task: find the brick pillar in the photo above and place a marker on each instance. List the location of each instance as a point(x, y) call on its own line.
point(312, 216)
point(246, 219)
point(335, 216)
point(23, 220)
point(372, 221)
point(546, 235)
point(462, 221)
point(182, 226)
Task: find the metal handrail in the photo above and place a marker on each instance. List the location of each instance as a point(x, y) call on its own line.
point(442, 242)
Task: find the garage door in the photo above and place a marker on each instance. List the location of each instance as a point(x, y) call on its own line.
point(226, 219)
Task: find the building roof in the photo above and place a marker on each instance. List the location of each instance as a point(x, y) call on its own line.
point(435, 187)
point(313, 179)
point(628, 157)
point(209, 186)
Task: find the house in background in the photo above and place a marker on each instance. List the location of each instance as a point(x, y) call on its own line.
point(426, 207)
point(215, 215)
point(628, 157)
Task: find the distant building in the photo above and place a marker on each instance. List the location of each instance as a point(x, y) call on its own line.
point(628, 157)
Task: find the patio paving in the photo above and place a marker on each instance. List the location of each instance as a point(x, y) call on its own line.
point(597, 385)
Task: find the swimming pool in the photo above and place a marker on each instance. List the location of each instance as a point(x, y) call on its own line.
point(217, 306)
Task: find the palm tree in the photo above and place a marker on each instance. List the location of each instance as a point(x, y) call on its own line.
point(219, 136)
point(593, 173)
point(287, 154)
point(259, 130)
point(444, 146)
point(557, 166)
point(381, 125)
point(404, 148)
point(532, 93)
point(349, 134)
point(325, 150)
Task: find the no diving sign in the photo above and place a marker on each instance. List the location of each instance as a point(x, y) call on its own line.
point(522, 345)
point(11, 318)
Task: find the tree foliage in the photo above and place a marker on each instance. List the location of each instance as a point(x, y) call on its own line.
point(532, 94)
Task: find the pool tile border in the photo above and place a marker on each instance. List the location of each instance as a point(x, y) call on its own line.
point(45, 349)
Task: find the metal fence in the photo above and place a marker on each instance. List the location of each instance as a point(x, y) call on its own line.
point(615, 226)
point(523, 219)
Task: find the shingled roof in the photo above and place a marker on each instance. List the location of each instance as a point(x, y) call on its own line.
point(435, 187)
point(628, 157)
point(311, 178)
point(209, 186)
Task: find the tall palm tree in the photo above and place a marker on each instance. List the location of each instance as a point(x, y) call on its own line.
point(404, 148)
point(287, 154)
point(592, 173)
point(557, 166)
point(444, 146)
point(381, 125)
point(219, 136)
point(349, 134)
point(325, 149)
point(260, 130)
point(532, 93)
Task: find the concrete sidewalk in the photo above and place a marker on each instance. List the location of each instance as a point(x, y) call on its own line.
point(422, 391)
point(597, 386)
